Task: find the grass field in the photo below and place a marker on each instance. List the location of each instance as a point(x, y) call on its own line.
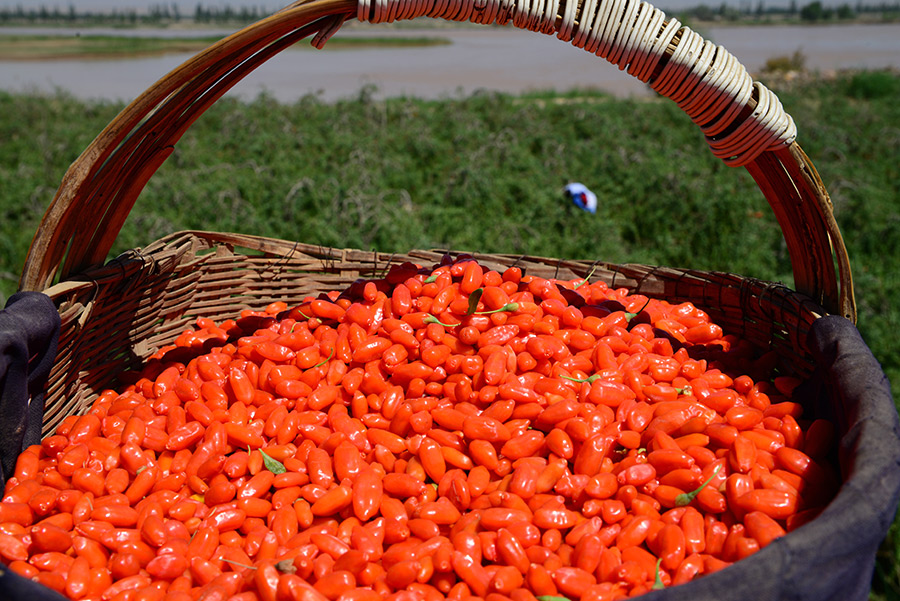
point(484, 173)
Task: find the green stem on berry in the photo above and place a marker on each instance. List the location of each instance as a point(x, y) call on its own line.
point(629, 316)
point(685, 498)
point(433, 319)
point(237, 563)
point(585, 280)
point(587, 380)
point(506, 307)
point(658, 583)
point(324, 361)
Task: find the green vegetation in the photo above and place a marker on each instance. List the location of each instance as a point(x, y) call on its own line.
point(814, 12)
point(782, 64)
point(157, 15)
point(485, 173)
point(80, 47)
point(868, 85)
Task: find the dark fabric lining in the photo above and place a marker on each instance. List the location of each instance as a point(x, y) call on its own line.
point(29, 329)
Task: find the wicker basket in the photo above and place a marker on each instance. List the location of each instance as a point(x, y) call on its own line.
point(118, 314)
point(115, 315)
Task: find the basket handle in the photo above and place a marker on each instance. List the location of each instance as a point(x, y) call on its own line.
point(744, 123)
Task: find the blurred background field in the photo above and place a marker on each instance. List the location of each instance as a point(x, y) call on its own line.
point(484, 172)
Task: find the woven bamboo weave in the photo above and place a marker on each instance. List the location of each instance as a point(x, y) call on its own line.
point(118, 313)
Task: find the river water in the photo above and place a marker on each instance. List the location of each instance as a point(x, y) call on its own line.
point(478, 58)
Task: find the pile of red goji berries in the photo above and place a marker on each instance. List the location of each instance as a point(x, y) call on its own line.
point(456, 433)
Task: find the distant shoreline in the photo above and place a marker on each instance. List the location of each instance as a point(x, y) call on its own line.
point(89, 47)
point(497, 59)
point(105, 39)
point(703, 14)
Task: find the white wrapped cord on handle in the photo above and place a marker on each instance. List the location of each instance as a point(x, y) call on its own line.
point(740, 118)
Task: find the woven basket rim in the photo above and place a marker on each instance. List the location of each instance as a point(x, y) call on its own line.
point(118, 315)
